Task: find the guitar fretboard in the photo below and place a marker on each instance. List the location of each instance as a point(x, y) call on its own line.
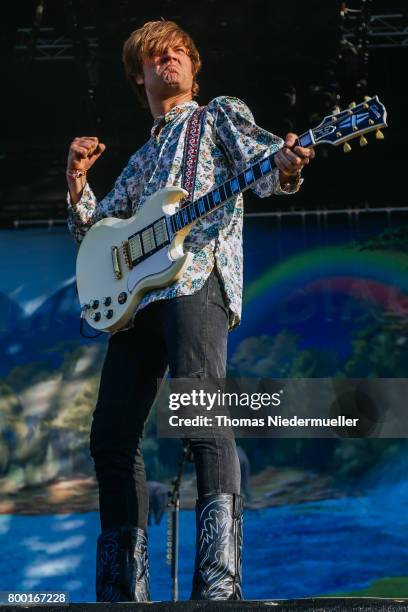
point(217, 197)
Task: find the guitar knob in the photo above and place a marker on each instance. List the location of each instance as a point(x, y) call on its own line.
point(363, 141)
point(346, 147)
point(94, 304)
point(367, 98)
point(379, 135)
point(352, 105)
point(336, 110)
point(108, 313)
point(95, 316)
point(106, 301)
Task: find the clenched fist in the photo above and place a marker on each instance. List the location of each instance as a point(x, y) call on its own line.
point(83, 153)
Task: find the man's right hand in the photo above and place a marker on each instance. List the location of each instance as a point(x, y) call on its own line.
point(83, 153)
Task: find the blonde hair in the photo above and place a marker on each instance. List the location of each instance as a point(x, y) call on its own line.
point(154, 37)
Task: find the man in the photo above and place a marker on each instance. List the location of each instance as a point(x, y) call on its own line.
point(185, 325)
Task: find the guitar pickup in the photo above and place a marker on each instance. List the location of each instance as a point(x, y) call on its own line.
point(126, 254)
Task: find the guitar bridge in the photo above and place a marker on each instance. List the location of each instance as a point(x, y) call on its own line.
point(116, 262)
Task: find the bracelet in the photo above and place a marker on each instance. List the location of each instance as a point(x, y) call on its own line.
point(291, 183)
point(75, 174)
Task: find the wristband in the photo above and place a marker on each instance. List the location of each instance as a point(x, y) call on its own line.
point(75, 174)
point(294, 179)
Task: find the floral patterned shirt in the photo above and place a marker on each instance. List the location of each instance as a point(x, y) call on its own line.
point(230, 142)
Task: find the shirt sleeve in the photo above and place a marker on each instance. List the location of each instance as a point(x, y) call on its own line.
point(89, 211)
point(245, 143)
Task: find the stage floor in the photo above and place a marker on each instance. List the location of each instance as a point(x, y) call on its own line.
point(321, 604)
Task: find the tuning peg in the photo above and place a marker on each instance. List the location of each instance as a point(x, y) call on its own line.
point(379, 135)
point(363, 141)
point(346, 147)
point(352, 104)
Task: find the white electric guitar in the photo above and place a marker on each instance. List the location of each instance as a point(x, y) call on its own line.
point(119, 260)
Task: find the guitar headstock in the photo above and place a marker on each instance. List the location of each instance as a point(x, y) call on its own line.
point(355, 121)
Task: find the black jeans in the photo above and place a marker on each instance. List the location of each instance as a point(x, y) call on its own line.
point(189, 334)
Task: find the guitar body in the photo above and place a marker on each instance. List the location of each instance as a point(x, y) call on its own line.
point(106, 283)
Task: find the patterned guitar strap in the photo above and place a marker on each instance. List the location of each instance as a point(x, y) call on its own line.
point(191, 152)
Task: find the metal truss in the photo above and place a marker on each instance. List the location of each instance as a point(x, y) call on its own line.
point(15, 220)
point(381, 31)
point(330, 211)
point(76, 42)
point(388, 31)
point(49, 46)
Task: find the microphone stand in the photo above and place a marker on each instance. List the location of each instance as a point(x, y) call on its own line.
point(173, 518)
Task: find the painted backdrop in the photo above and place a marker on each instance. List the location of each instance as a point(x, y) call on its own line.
point(324, 295)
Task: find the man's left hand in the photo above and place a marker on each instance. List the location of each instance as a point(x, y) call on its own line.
point(290, 162)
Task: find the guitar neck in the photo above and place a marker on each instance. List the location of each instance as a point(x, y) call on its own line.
point(223, 193)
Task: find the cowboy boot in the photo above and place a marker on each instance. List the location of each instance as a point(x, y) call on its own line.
point(122, 568)
point(218, 562)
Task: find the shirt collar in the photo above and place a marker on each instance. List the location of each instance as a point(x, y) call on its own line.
point(172, 114)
